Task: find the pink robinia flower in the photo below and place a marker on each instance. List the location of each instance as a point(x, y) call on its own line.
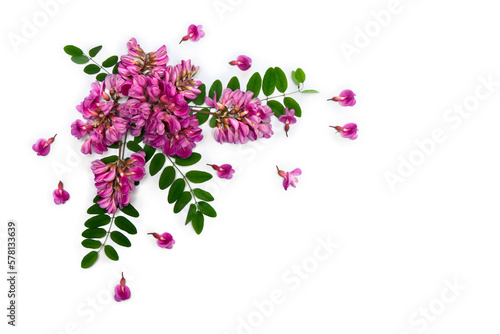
point(288, 118)
point(42, 146)
point(116, 180)
point(289, 178)
point(345, 98)
point(122, 291)
point(138, 62)
point(243, 62)
point(164, 240)
point(194, 33)
point(225, 171)
point(240, 117)
point(60, 195)
point(350, 130)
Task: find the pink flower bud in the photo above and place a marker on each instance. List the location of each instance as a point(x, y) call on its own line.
point(164, 240)
point(42, 146)
point(122, 291)
point(60, 195)
point(345, 98)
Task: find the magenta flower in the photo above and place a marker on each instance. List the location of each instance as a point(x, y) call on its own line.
point(122, 291)
point(225, 171)
point(243, 62)
point(60, 195)
point(194, 33)
point(138, 62)
point(116, 180)
point(289, 178)
point(288, 118)
point(42, 146)
point(345, 98)
point(350, 130)
point(165, 240)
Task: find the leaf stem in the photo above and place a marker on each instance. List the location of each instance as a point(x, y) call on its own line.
point(92, 59)
point(185, 179)
point(281, 95)
point(109, 231)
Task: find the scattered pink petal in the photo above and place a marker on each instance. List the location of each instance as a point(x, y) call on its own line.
point(194, 33)
point(164, 240)
point(346, 98)
point(350, 130)
point(42, 146)
point(60, 195)
point(122, 291)
point(288, 118)
point(225, 171)
point(243, 62)
point(289, 178)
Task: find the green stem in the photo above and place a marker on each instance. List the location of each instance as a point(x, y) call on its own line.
point(92, 59)
point(185, 179)
point(109, 231)
point(282, 95)
point(204, 112)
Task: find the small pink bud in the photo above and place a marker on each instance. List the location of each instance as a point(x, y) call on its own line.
point(165, 240)
point(346, 98)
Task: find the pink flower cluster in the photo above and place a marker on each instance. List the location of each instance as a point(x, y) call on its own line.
point(240, 117)
point(146, 95)
point(115, 181)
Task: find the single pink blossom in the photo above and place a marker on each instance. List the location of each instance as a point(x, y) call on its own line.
point(243, 62)
point(164, 240)
point(350, 130)
point(225, 171)
point(194, 33)
point(60, 195)
point(345, 98)
point(122, 291)
point(42, 146)
point(289, 178)
point(288, 118)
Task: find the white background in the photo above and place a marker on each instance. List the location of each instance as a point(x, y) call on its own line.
point(397, 248)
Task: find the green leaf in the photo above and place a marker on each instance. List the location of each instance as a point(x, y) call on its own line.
point(133, 146)
point(269, 82)
point(294, 78)
point(89, 243)
point(110, 159)
point(191, 212)
point(120, 239)
point(281, 81)
point(234, 84)
point(115, 145)
point(91, 69)
point(130, 211)
point(216, 88)
point(97, 221)
point(124, 224)
point(292, 104)
point(89, 259)
point(96, 210)
point(203, 195)
point(176, 190)
point(111, 61)
point(191, 160)
point(115, 68)
point(94, 233)
point(213, 121)
point(94, 51)
point(183, 200)
point(254, 84)
point(157, 163)
point(73, 50)
point(150, 151)
point(277, 107)
point(198, 222)
point(96, 199)
point(201, 97)
point(80, 59)
point(167, 177)
point(300, 75)
point(207, 209)
point(100, 77)
point(138, 139)
point(111, 253)
point(309, 91)
point(202, 118)
point(197, 176)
